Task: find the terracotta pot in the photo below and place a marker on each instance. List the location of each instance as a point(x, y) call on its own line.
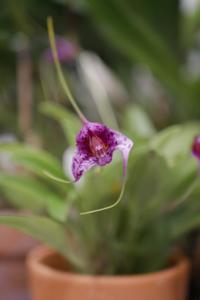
point(13, 249)
point(51, 280)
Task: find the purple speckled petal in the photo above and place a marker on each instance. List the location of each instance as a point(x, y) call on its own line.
point(81, 164)
point(92, 128)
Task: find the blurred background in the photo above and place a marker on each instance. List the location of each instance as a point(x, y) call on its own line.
point(139, 53)
point(133, 63)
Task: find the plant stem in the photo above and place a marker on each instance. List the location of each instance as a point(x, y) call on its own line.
point(109, 206)
point(59, 70)
point(120, 195)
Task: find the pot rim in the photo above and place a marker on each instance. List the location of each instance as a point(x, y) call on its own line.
point(35, 264)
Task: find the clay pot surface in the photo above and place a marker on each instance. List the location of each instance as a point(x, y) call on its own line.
point(14, 246)
point(50, 279)
point(13, 284)
point(14, 243)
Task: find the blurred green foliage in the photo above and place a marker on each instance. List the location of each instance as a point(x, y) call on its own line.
point(159, 36)
point(155, 34)
point(159, 207)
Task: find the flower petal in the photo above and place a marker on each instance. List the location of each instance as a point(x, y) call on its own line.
point(124, 145)
point(67, 161)
point(81, 164)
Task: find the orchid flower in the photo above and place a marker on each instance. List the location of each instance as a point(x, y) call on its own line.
point(196, 150)
point(67, 51)
point(95, 143)
point(196, 147)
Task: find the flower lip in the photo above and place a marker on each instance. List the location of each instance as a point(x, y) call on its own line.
point(196, 147)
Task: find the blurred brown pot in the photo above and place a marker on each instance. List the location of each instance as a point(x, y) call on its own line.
point(13, 249)
point(50, 280)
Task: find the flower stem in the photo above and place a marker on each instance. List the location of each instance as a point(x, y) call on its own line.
point(125, 160)
point(55, 178)
point(109, 206)
point(59, 70)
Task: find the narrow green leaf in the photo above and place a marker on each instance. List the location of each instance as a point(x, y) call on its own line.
point(33, 159)
point(135, 39)
point(45, 230)
point(174, 143)
point(137, 122)
point(28, 194)
point(23, 192)
point(57, 208)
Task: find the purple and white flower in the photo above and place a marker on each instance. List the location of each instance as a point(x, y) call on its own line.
point(95, 144)
point(196, 147)
point(67, 51)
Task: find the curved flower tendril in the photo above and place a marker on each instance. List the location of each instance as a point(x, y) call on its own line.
point(55, 178)
point(95, 143)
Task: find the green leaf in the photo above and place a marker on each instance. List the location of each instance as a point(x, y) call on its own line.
point(174, 143)
point(176, 187)
point(35, 160)
point(136, 40)
point(69, 122)
point(57, 207)
point(143, 183)
point(28, 194)
point(40, 228)
point(23, 192)
point(45, 230)
point(137, 122)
